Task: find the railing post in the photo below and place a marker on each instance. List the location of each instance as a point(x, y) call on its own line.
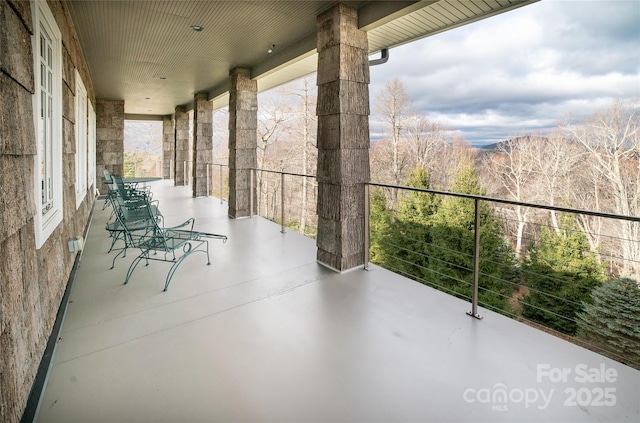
point(184, 174)
point(282, 203)
point(251, 175)
point(208, 177)
point(367, 228)
point(221, 190)
point(476, 261)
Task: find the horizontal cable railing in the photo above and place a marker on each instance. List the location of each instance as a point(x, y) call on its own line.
point(218, 181)
point(536, 263)
point(289, 199)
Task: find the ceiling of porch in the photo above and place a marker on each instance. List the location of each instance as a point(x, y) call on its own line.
point(147, 54)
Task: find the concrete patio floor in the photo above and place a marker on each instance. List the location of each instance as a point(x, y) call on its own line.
point(265, 334)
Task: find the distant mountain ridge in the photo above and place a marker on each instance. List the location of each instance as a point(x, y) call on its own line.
point(497, 145)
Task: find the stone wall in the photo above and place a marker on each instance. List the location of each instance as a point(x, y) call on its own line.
point(243, 142)
point(109, 139)
point(343, 137)
point(32, 282)
point(168, 147)
point(182, 145)
point(202, 143)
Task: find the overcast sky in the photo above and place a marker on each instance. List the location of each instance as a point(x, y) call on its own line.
point(522, 71)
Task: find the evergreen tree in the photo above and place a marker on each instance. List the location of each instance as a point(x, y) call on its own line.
point(452, 246)
point(612, 321)
point(379, 226)
point(412, 225)
point(431, 240)
point(399, 243)
point(560, 272)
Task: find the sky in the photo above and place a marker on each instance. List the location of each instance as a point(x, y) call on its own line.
point(522, 71)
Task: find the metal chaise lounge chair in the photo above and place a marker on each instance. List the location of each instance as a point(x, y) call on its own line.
point(137, 216)
point(173, 244)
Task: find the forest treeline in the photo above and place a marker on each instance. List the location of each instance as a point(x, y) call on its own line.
point(574, 273)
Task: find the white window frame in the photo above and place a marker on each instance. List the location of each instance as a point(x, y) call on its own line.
point(80, 129)
point(47, 218)
point(91, 139)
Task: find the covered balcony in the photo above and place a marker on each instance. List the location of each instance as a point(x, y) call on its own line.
point(265, 333)
point(279, 327)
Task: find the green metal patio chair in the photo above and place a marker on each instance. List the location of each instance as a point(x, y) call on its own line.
point(138, 216)
point(130, 192)
point(173, 244)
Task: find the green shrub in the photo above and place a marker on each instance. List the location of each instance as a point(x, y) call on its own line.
point(612, 321)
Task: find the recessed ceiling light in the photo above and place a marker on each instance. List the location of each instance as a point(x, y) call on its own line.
point(196, 28)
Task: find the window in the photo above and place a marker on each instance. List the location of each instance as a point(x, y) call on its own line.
point(91, 140)
point(47, 112)
point(81, 140)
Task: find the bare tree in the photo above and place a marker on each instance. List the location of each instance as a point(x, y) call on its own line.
point(306, 130)
point(220, 126)
point(555, 160)
point(513, 167)
point(588, 192)
point(428, 146)
point(612, 138)
point(272, 126)
point(393, 104)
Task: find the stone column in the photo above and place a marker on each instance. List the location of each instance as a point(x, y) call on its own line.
point(202, 142)
point(168, 146)
point(109, 139)
point(343, 137)
point(243, 141)
point(182, 145)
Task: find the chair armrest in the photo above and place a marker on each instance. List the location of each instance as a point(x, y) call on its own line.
point(190, 222)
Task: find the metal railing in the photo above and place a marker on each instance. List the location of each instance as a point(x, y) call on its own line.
point(218, 181)
point(477, 199)
point(286, 197)
point(523, 284)
point(217, 174)
point(467, 262)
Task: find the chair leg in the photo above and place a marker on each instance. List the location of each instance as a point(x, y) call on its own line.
point(173, 269)
point(133, 266)
point(115, 239)
point(113, 262)
point(175, 265)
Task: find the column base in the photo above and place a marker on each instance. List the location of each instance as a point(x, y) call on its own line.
point(340, 264)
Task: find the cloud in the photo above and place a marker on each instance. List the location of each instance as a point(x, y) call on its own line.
point(524, 70)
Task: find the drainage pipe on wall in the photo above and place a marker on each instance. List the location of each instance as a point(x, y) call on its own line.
point(383, 59)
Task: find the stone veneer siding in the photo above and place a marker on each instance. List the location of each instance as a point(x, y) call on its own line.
point(182, 145)
point(202, 143)
point(243, 141)
point(343, 137)
point(32, 282)
point(168, 146)
point(109, 139)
